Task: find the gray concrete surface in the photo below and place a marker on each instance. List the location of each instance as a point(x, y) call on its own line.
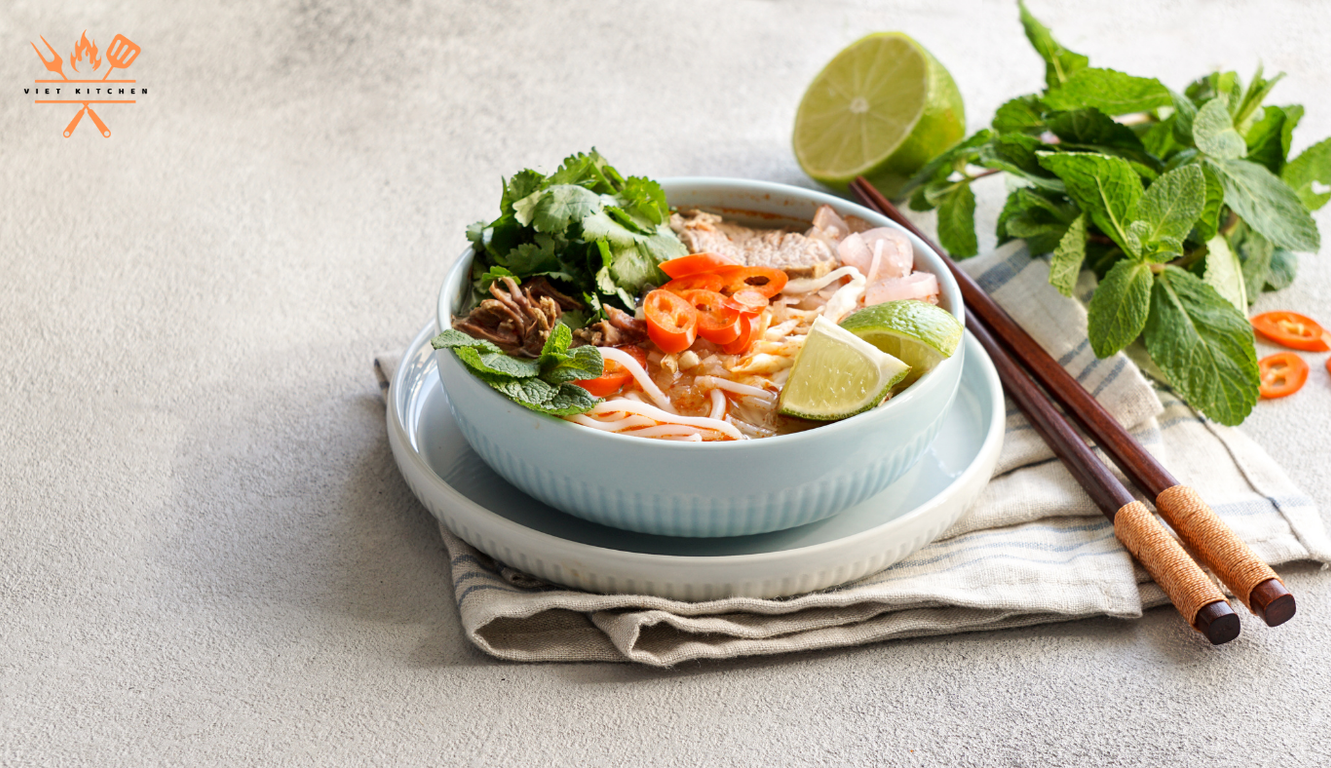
point(206, 553)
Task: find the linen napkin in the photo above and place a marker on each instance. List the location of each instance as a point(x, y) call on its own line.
point(1032, 549)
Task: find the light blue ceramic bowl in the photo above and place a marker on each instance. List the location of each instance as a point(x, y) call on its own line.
point(707, 489)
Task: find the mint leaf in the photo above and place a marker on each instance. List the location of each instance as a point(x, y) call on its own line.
point(1109, 91)
point(1119, 307)
point(1224, 273)
point(1314, 165)
point(1185, 112)
point(1168, 210)
point(567, 400)
point(1060, 63)
point(1068, 257)
point(1104, 186)
point(1258, 89)
point(1213, 131)
point(937, 170)
point(1020, 115)
point(559, 364)
point(1284, 268)
point(1254, 252)
point(1208, 222)
point(497, 363)
point(1267, 204)
point(1265, 140)
point(1091, 126)
point(1204, 345)
point(1016, 154)
point(956, 222)
point(1032, 215)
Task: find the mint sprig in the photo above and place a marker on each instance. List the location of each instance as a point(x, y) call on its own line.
point(1186, 205)
point(543, 385)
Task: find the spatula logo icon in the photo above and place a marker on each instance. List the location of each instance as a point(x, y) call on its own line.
point(85, 60)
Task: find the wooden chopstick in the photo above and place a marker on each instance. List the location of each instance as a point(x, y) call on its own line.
point(1219, 549)
point(1195, 595)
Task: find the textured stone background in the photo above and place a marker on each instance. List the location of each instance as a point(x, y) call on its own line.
point(206, 552)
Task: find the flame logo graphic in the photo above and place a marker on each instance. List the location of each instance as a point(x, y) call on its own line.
point(84, 46)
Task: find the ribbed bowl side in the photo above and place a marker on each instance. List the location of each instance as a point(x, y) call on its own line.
point(679, 514)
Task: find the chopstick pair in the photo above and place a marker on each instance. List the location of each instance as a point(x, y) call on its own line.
point(1204, 533)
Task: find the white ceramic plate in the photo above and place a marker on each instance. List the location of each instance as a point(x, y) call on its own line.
point(496, 518)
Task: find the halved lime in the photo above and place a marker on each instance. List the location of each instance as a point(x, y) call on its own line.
point(918, 333)
point(883, 107)
point(837, 374)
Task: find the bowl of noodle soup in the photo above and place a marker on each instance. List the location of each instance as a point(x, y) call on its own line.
point(765, 473)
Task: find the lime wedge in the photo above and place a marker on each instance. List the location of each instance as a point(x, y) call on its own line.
point(837, 374)
point(918, 333)
point(883, 107)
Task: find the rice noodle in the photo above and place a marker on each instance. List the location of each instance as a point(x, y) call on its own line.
point(715, 383)
point(665, 417)
point(667, 430)
point(639, 374)
point(718, 405)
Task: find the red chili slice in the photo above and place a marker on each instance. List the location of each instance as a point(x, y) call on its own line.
point(695, 263)
point(705, 281)
point(1290, 329)
point(614, 375)
point(1282, 374)
point(765, 280)
point(718, 322)
point(749, 300)
point(672, 322)
point(748, 328)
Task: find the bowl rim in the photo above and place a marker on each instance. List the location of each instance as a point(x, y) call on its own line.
point(947, 285)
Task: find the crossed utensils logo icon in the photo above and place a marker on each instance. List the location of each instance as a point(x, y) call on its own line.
point(120, 54)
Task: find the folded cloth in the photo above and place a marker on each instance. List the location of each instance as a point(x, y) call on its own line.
point(1032, 549)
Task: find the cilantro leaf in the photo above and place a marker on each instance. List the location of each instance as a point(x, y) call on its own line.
point(1109, 91)
point(561, 205)
point(1060, 63)
point(956, 222)
point(1167, 209)
point(1204, 346)
point(1213, 131)
point(644, 197)
point(522, 184)
point(1224, 273)
point(1118, 309)
point(1068, 257)
point(1314, 165)
point(1267, 204)
point(1104, 186)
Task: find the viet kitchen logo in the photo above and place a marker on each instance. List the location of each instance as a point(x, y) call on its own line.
point(84, 61)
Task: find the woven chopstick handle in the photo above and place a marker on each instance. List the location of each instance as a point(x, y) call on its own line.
point(1183, 581)
point(1213, 541)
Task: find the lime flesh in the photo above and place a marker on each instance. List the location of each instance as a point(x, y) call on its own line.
point(836, 375)
point(882, 108)
point(918, 333)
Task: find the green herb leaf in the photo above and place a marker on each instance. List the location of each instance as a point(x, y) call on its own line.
point(559, 364)
point(562, 204)
point(1106, 187)
point(1267, 204)
point(1314, 165)
point(1204, 345)
point(1284, 268)
point(1118, 309)
point(1224, 273)
point(1167, 211)
point(1254, 252)
point(937, 170)
point(1068, 257)
point(522, 184)
point(1213, 130)
point(1024, 114)
point(1208, 222)
point(1060, 63)
point(1185, 112)
point(956, 222)
point(1109, 91)
point(1258, 89)
point(1265, 140)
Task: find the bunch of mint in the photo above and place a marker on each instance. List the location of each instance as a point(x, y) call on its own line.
point(543, 385)
point(597, 234)
point(1185, 211)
